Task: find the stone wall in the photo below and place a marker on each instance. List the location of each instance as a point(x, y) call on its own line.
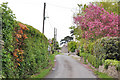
point(111, 71)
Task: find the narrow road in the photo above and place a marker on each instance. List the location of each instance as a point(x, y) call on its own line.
point(67, 67)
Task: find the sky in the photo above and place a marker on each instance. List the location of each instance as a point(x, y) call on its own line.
point(59, 14)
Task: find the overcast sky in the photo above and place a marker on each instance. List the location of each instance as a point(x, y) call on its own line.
point(60, 13)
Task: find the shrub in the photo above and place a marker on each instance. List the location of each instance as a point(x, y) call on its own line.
point(85, 47)
point(90, 47)
point(91, 59)
point(84, 55)
point(94, 61)
point(81, 49)
point(107, 48)
point(118, 67)
point(72, 45)
point(115, 63)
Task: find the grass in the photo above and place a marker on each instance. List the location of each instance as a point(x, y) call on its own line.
point(44, 72)
point(61, 53)
point(85, 63)
point(101, 75)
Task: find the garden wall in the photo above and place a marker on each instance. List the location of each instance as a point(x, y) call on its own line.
point(111, 71)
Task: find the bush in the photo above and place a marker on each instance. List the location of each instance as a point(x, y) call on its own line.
point(85, 47)
point(118, 67)
point(81, 49)
point(94, 61)
point(91, 59)
point(115, 63)
point(84, 55)
point(107, 48)
point(90, 47)
point(72, 45)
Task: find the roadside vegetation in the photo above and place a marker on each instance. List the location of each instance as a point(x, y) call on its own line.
point(25, 51)
point(46, 71)
point(97, 38)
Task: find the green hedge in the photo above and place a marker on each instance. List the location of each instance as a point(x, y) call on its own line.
point(107, 48)
point(115, 63)
point(8, 24)
point(35, 54)
point(94, 61)
point(104, 48)
point(72, 45)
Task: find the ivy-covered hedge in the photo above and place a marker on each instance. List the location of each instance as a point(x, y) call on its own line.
point(8, 24)
point(107, 48)
point(25, 48)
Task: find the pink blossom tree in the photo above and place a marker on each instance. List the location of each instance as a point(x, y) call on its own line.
point(97, 22)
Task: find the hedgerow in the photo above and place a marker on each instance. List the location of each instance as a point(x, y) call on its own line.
point(25, 48)
point(107, 48)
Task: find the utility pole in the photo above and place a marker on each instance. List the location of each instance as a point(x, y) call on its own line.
point(44, 17)
point(56, 34)
point(55, 37)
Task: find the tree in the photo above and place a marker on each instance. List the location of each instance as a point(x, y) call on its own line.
point(66, 40)
point(96, 23)
point(109, 5)
point(54, 44)
point(75, 30)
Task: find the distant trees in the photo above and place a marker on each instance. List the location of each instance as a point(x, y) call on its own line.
point(66, 40)
point(54, 44)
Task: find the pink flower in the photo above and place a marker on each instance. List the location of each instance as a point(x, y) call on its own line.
point(98, 21)
point(102, 9)
point(108, 35)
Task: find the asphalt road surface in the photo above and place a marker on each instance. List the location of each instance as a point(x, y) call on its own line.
point(67, 67)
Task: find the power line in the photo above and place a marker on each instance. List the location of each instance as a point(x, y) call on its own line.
point(58, 6)
point(48, 19)
point(50, 24)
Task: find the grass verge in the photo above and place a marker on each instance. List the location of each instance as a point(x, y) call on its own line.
point(101, 75)
point(44, 72)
